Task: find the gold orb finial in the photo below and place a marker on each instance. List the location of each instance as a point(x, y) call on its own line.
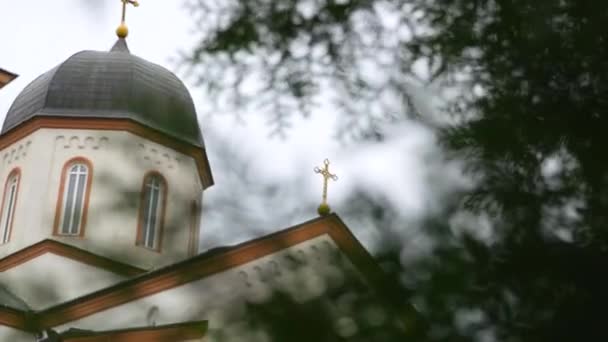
point(122, 31)
point(323, 209)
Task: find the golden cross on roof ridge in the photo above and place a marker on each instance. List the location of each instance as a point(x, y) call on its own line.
point(324, 208)
point(122, 31)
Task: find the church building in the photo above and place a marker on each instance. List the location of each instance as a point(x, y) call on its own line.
point(103, 173)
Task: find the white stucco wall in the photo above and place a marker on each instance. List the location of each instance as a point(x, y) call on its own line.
point(51, 279)
point(120, 161)
point(221, 298)
point(9, 334)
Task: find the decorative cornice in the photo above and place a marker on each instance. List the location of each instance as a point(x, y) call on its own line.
point(67, 251)
point(114, 124)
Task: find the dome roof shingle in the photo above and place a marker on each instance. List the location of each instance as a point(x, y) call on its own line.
point(114, 84)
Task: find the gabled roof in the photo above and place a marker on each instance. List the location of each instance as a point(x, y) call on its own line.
point(67, 251)
point(201, 266)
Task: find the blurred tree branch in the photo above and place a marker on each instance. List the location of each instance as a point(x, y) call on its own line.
point(525, 83)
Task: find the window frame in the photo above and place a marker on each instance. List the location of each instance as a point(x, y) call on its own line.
point(16, 172)
point(161, 215)
point(59, 211)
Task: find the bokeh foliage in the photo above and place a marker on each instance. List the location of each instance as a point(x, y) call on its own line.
point(524, 86)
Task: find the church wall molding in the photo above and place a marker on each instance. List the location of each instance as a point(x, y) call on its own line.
point(81, 142)
point(115, 124)
point(153, 155)
point(71, 252)
point(18, 152)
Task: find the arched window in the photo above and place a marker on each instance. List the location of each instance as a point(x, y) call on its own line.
point(73, 197)
point(152, 211)
point(9, 200)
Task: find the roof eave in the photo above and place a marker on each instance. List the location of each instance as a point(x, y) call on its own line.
point(6, 77)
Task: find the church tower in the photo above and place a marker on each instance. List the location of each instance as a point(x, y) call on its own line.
point(104, 153)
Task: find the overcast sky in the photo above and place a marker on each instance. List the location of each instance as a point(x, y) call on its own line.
point(36, 35)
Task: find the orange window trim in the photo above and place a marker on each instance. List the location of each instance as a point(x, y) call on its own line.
point(15, 171)
point(60, 194)
point(140, 219)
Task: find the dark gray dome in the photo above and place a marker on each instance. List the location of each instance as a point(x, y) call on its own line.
point(114, 84)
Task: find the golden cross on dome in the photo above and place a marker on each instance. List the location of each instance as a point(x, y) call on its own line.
point(122, 31)
point(324, 207)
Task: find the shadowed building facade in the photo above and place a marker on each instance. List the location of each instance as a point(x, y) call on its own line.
point(104, 167)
